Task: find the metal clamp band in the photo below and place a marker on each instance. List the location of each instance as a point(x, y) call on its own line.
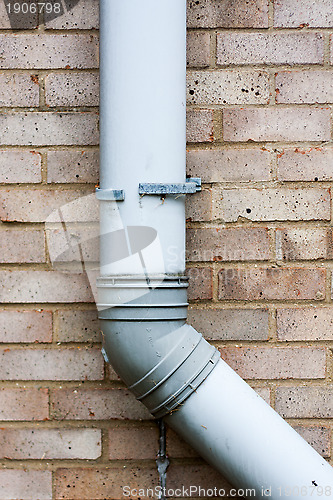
point(192, 185)
point(110, 194)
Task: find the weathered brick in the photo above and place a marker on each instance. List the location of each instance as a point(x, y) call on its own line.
point(227, 87)
point(265, 48)
point(22, 246)
point(10, 20)
point(305, 323)
point(96, 404)
point(230, 324)
point(74, 245)
point(26, 485)
point(176, 447)
point(199, 206)
point(318, 437)
point(304, 87)
point(200, 127)
point(77, 15)
point(305, 402)
point(236, 244)
point(198, 49)
point(77, 326)
point(25, 326)
point(20, 166)
point(24, 404)
point(99, 484)
point(229, 165)
point(312, 164)
point(303, 13)
point(68, 51)
point(72, 89)
point(264, 393)
point(32, 205)
point(276, 362)
point(72, 166)
point(301, 244)
point(128, 443)
point(272, 284)
point(49, 129)
point(276, 124)
point(200, 283)
point(227, 14)
point(273, 204)
point(200, 475)
point(39, 444)
point(19, 90)
point(51, 364)
point(44, 286)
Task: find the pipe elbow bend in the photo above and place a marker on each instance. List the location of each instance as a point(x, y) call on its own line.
point(145, 338)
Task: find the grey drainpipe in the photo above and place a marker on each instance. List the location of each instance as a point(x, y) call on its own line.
point(142, 289)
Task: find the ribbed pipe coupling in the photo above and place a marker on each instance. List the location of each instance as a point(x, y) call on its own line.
point(161, 358)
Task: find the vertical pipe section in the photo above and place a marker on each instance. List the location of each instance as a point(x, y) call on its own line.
point(143, 124)
point(142, 294)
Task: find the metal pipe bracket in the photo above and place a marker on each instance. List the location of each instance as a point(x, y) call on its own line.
point(192, 185)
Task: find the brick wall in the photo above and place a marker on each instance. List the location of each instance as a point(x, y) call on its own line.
point(259, 237)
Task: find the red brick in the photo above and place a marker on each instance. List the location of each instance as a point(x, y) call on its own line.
point(276, 362)
point(269, 48)
point(33, 51)
point(133, 443)
point(44, 286)
point(20, 166)
point(200, 283)
point(51, 364)
point(303, 13)
point(312, 164)
point(99, 484)
point(305, 323)
point(318, 437)
point(198, 49)
point(227, 87)
point(72, 166)
point(96, 404)
point(200, 127)
point(272, 284)
point(305, 402)
point(24, 404)
point(31, 205)
point(276, 124)
point(199, 206)
point(25, 485)
point(229, 165)
point(39, 444)
point(22, 246)
point(201, 475)
point(25, 326)
point(227, 14)
point(304, 87)
point(77, 326)
point(176, 447)
point(49, 128)
point(230, 324)
point(272, 204)
point(302, 244)
point(236, 244)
